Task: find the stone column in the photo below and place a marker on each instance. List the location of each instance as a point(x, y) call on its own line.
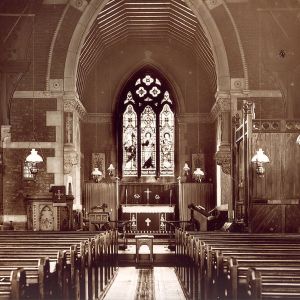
point(223, 156)
point(74, 112)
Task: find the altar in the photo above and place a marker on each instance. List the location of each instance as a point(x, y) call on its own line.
point(148, 218)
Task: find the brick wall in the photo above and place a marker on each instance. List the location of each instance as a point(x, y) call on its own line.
point(15, 188)
point(46, 20)
point(22, 112)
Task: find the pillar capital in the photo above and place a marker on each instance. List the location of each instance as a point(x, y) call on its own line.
point(223, 158)
point(72, 103)
point(222, 104)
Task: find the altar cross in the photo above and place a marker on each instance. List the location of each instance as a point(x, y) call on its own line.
point(59, 195)
point(148, 221)
point(148, 193)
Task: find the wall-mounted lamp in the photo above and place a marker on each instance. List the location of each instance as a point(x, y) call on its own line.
point(186, 169)
point(260, 159)
point(97, 175)
point(298, 140)
point(32, 160)
point(198, 175)
point(111, 170)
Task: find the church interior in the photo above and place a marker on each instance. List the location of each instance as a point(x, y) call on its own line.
point(149, 149)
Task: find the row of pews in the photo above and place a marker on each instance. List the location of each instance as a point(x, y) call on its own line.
point(233, 266)
point(60, 265)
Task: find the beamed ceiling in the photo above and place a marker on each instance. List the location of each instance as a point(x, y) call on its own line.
point(147, 21)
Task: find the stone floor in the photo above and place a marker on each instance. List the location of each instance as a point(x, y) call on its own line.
point(166, 285)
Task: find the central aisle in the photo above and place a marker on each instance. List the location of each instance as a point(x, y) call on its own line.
point(165, 285)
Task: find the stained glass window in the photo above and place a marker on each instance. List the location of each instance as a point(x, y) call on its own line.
point(130, 142)
point(148, 127)
point(148, 141)
point(166, 129)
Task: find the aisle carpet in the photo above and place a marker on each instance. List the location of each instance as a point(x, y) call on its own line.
point(145, 285)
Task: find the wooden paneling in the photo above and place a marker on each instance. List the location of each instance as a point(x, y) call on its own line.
point(282, 176)
point(198, 194)
point(292, 220)
point(96, 194)
point(275, 218)
point(266, 218)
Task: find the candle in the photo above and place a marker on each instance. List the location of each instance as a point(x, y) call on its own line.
point(126, 196)
point(170, 197)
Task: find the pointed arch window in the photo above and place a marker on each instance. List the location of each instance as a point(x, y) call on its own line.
point(148, 127)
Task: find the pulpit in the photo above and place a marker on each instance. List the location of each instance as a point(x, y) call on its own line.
point(45, 214)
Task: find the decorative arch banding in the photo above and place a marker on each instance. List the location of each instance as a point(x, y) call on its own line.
point(214, 56)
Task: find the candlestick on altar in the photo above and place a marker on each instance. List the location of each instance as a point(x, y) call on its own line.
point(170, 197)
point(126, 197)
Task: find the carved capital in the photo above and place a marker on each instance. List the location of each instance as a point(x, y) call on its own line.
point(72, 103)
point(222, 104)
point(223, 158)
point(70, 159)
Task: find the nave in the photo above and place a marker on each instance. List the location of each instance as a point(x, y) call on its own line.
point(205, 265)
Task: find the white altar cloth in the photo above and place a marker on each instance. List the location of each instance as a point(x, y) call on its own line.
point(147, 209)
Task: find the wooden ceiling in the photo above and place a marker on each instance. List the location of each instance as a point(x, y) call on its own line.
point(149, 21)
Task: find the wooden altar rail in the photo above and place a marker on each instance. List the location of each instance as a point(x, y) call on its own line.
point(83, 264)
point(220, 265)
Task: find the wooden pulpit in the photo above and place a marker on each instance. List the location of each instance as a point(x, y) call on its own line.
point(45, 214)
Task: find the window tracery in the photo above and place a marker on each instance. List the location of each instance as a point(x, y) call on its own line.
point(148, 128)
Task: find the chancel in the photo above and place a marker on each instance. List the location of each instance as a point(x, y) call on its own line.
point(155, 143)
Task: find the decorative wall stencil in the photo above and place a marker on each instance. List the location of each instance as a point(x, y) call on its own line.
point(98, 161)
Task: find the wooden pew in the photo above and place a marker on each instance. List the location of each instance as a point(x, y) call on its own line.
point(186, 248)
point(69, 268)
point(270, 283)
point(238, 268)
point(12, 284)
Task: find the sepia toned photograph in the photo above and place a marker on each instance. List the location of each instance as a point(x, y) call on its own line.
point(150, 150)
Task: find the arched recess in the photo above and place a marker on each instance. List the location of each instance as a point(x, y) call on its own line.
point(201, 12)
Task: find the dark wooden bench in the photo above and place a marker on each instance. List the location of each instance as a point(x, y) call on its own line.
point(272, 283)
point(74, 268)
point(200, 253)
point(12, 284)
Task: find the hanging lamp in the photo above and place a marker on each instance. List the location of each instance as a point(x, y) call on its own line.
point(97, 175)
point(260, 158)
point(110, 170)
point(32, 160)
point(198, 175)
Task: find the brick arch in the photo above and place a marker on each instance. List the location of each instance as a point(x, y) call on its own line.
point(95, 6)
